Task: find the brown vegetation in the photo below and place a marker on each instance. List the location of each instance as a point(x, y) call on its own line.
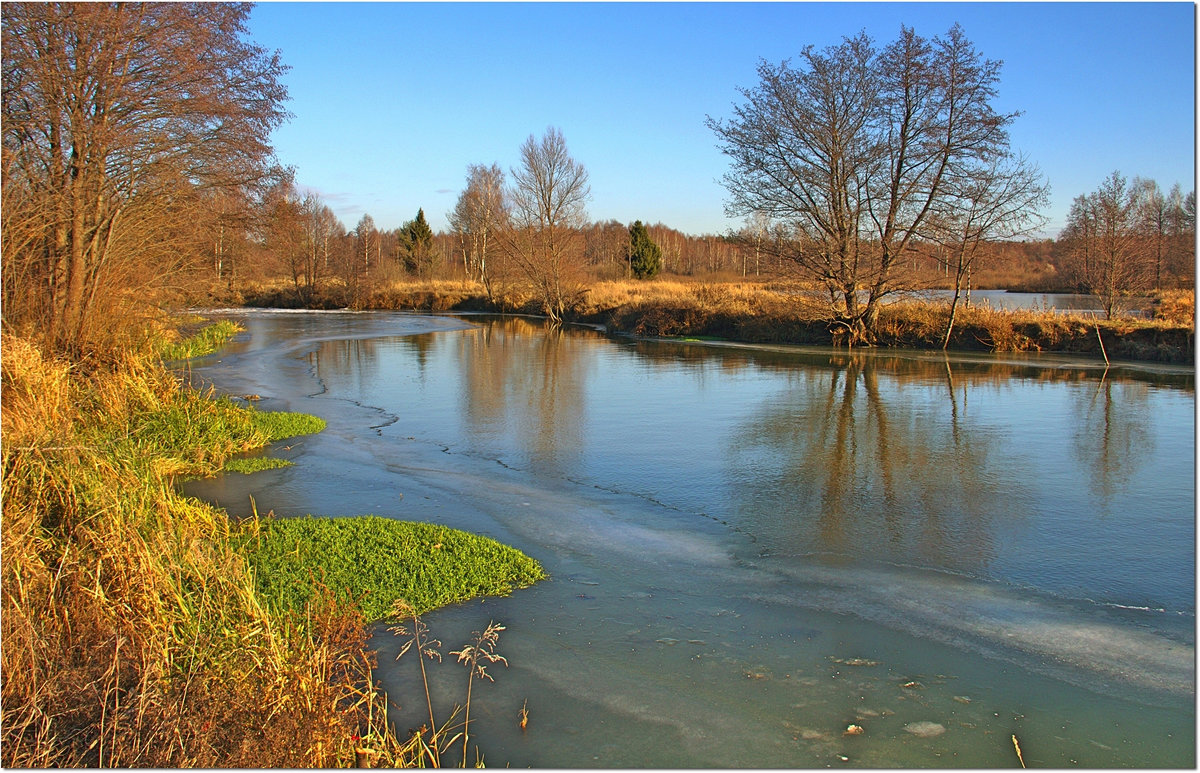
point(789, 313)
point(135, 160)
point(129, 130)
point(132, 632)
point(1176, 307)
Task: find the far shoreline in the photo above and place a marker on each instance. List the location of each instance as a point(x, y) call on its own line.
point(757, 313)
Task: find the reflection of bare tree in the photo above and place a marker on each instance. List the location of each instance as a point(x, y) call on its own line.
point(353, 362)
point(851, 461)
point(421, 347)
point(484, 354)
point(1111, 439)
point(526, 380)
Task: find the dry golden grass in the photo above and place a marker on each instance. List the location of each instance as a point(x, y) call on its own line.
point(776, 311)
point(132, 631)
point(692, 300)
point(1176, 307)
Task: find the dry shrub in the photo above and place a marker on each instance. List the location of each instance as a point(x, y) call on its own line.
point(912, 324)
point(36, 395)
point(1177, 307)
point(425, 294)
point(132, 632)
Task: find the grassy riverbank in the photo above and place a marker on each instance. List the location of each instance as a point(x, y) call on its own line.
point(135, 630)
point(777, 313)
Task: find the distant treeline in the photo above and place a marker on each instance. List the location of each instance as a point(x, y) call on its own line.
point(383, 255)
point(137, 171)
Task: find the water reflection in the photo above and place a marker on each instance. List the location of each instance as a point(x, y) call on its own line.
point(847, 461)
point(993, 468)
point(1112, 441)
point(720, 523)
point(354, 362)
point(523, 379)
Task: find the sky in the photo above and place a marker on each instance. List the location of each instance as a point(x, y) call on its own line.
point(392, 101)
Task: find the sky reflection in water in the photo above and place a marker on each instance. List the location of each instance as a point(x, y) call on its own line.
point(962, 515)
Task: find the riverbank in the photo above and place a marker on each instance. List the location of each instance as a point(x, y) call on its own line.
point(136, 629)
point(774, 313)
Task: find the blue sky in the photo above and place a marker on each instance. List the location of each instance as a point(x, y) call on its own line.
point(392, 101)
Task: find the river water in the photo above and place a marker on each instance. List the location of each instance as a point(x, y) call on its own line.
point(752, 548)
point(1062, 303)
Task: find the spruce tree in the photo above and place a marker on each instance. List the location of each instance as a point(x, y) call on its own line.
point(645, 257)
point(417, 248)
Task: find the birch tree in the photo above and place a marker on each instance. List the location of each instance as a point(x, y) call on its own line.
point(480, 213)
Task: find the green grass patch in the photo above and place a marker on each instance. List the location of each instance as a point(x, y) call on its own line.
point(247, 465)
point(374, 561)
point(277, 425)
point(204, 431)
point(205, 341)
point(190, 425)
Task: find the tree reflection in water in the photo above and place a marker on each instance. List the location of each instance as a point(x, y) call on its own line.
point(863, 463)
point(528, 381)
point(1112, 441)
point(987, 466)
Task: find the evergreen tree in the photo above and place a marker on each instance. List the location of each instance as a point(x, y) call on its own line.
point(417, 249)
point(645, 257)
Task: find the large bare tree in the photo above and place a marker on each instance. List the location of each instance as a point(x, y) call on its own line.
point(851, 150)
point(548, 195)
point(113, 113)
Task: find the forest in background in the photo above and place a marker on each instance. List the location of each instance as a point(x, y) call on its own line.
point(138, 176)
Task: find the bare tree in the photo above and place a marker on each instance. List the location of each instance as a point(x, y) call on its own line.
point(1108, 252)
point(111, 113)
point(606, 247)
point(1169, 229)
point(751, 238)
point(672, 242)
point(997, 201)
point(354, 266)
point(1155, 218)
point(301, 235)
point(366, 242)
point(852, 150)
point(1181, 256)
point(481, 211)
point(549, 191)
